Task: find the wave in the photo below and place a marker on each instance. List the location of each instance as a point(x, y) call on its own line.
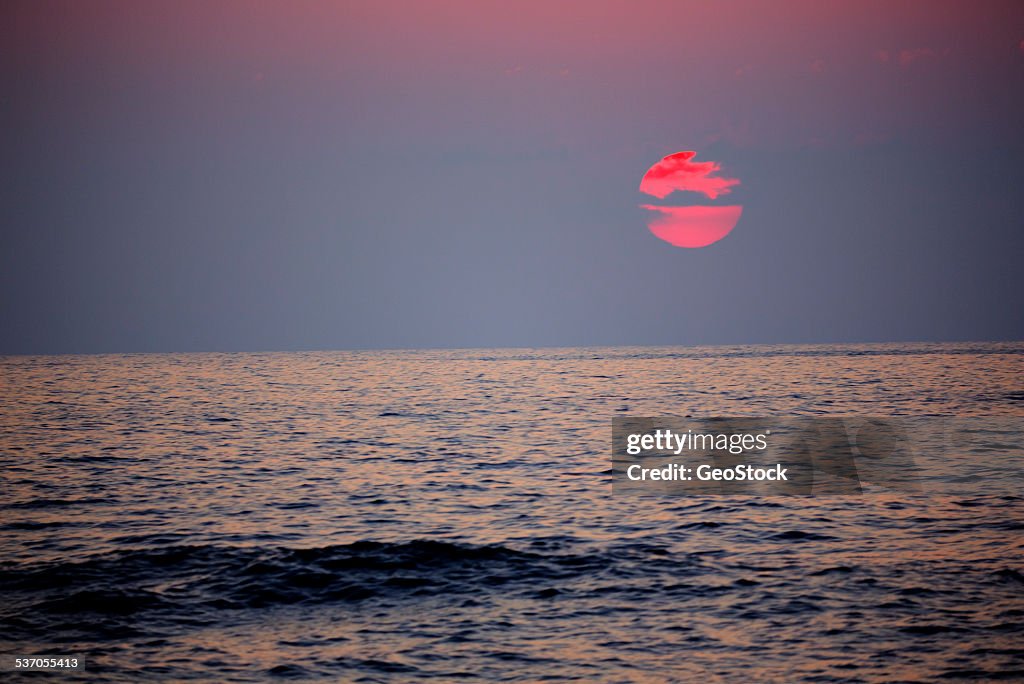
point(191, 582)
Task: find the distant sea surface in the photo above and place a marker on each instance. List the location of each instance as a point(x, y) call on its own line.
point(407, 515)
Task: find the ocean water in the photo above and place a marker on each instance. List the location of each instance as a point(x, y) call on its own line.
point(411, 515)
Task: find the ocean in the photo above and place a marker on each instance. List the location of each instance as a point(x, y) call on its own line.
point(389, 516)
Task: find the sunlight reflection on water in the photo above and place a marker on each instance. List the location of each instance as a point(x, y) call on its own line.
point(241, 515)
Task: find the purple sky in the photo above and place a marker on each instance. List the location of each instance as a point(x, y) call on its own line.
point(251, 176)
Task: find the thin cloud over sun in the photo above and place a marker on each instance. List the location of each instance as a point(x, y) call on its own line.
point(679, 172)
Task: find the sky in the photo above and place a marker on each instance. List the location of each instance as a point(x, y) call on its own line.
point(220, 176)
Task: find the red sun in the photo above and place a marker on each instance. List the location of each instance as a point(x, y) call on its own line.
point(689, 226)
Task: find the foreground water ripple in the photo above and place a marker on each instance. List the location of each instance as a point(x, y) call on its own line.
point(408, 515)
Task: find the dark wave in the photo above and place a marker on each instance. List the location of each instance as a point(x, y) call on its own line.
point(192, 581)
point(44, 503)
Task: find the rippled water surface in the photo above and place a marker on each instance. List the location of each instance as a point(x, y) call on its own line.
point(405, 515)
